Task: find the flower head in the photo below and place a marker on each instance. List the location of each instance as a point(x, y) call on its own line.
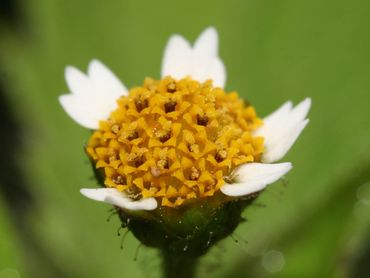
point(181, 140)
point(175, 140)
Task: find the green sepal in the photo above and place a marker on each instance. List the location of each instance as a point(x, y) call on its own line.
point(190, 229)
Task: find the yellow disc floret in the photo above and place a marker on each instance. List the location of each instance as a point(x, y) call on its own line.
point(175, 140)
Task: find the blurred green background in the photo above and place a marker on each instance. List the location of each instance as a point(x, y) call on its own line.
point(316, 223)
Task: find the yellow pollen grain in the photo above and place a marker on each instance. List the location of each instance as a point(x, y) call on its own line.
point(175, 140)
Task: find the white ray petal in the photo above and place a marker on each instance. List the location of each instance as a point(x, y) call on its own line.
point(78, 82)
point(281, 129)
point(94, 96)
point(87, 110)
point(300, 112)
point(209, 68)
point(200, 62)
point(277, 149)
point(207, 43)
point(126, 203)
point(218, 73)
point(105, 80)
point(177, 58)
point(253, 177)
point(279, 114)
point(114, 197)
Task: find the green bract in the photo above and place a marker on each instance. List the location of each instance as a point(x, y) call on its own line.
point(186, 230)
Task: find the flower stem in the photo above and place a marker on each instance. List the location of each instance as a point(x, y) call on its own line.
point(179, 265)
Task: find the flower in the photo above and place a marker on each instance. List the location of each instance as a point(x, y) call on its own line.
point(179, 158)
point(181, 138)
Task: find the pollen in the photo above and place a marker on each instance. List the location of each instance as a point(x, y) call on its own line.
point(175, 140)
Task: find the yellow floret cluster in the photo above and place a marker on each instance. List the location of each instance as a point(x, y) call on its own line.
point(175, 140)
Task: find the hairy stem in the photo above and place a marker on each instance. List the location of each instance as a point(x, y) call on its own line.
point(179, 266)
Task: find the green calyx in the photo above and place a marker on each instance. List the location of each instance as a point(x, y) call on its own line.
point(190, 229)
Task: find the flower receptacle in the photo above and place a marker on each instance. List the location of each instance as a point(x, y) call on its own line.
point(190, 229)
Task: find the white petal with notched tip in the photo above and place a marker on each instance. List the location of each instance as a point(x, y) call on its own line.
point(200, 62)
point(282, 128)
point(114, 197)
point(253, 177)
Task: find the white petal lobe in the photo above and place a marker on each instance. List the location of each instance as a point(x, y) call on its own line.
point(281, 113)
point(200, 62)
point(253, 177)
point(94, 96)
point(210, 68)
point(301, 110)
point(177, 58)
point(207, 43)
point(114, 197)
point(218, 72)
point(282, 145)
point(87, 110)
point(78, 109)
point(282, 128)
point(78, 82)
point(105, 80)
